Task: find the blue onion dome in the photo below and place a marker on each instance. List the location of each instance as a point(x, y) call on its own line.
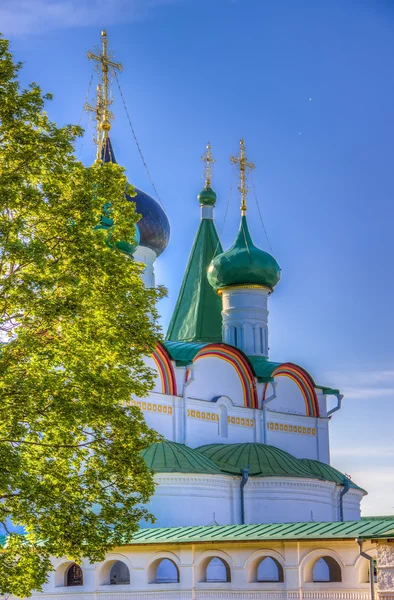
point(154, 227)
point(207, 197)
point(243, 264)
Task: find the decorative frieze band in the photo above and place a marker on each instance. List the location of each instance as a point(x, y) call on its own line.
point(151, 407)
point(291, 428)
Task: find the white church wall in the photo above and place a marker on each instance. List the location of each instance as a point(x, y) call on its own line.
point(183, 499)
point(159, 411)
point(280, 500)
point(289, 398)
point(295, 434)
point(215, 377)
point(296, 557)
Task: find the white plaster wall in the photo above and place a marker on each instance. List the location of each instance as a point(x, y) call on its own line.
point(215, 377)
point(147, 257)
point(281, 500)
point(183, 500)
point(289, 398)
point(157, 379)
point(296, 558)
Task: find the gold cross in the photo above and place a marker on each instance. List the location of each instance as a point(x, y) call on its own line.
point(244, 167)
point(106, 67)
point(208, 159)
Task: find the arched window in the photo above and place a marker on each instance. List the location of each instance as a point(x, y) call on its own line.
point(119, 573)
point(74, 575)
point(269, 569)
point(167, 572)
point(327, 569)
point(217, 571)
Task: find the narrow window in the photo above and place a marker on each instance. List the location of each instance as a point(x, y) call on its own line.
point(74, 575)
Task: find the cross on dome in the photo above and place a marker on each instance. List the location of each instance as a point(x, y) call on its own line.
point(244, 167)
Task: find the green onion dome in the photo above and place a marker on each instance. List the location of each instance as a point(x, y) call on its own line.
point(262, 460)
point(126, 247)
point(171, 457)
point(243, 264)
point(207, 197)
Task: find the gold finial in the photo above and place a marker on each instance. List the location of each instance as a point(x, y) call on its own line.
point(244, 167)
point(208, 159)
point(106, 67)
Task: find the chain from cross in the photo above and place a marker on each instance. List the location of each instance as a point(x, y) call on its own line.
point(244, 167)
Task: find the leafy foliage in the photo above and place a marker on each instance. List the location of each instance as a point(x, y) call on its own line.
point(75, 322)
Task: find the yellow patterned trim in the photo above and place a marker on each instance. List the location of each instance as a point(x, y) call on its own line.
point(291, 428)
point(240, 421)
point(151, 407)
point(252, 286)
point(204, 416)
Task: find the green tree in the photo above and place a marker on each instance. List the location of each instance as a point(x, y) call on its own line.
point(76, 322)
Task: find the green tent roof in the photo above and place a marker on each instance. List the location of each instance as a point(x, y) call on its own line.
point(262, 460)
point(171, 457)
point(197, 314)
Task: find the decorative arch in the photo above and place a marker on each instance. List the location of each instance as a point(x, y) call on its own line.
point(154, 562)
point(254, 560)
point(241, 365)
point(309, 561)
point(305, 384)
point(166, 370)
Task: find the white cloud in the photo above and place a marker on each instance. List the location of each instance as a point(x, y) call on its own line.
point(364, 384)
point(23, 17)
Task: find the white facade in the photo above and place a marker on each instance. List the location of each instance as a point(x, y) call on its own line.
point(298, 565)
point(245, 319)
point(183, 500)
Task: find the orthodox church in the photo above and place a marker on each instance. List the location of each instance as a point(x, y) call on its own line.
point(247, 505)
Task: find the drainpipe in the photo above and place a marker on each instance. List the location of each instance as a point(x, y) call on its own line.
point(265, 402)
point(186, 383)
point(371, 569)
point(337, 407)
point(346, 488)
point(245, 477)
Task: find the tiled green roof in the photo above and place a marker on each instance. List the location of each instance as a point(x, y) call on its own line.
point(366, 528)
point(171, 457)
point(261, 459)
point(327, 472)
point(197, 313)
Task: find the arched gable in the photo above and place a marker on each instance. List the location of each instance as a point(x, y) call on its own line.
point(303, 381)
point(166, 370)
point(240, 364)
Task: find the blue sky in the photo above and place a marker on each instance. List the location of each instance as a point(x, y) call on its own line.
point(310, 87)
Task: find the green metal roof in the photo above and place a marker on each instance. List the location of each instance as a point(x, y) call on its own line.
point(171, 457)
point(262, 460)
point(197, 314)
point(182, 352)
point(327, 472)
point(263, 368)
point(366, 528)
